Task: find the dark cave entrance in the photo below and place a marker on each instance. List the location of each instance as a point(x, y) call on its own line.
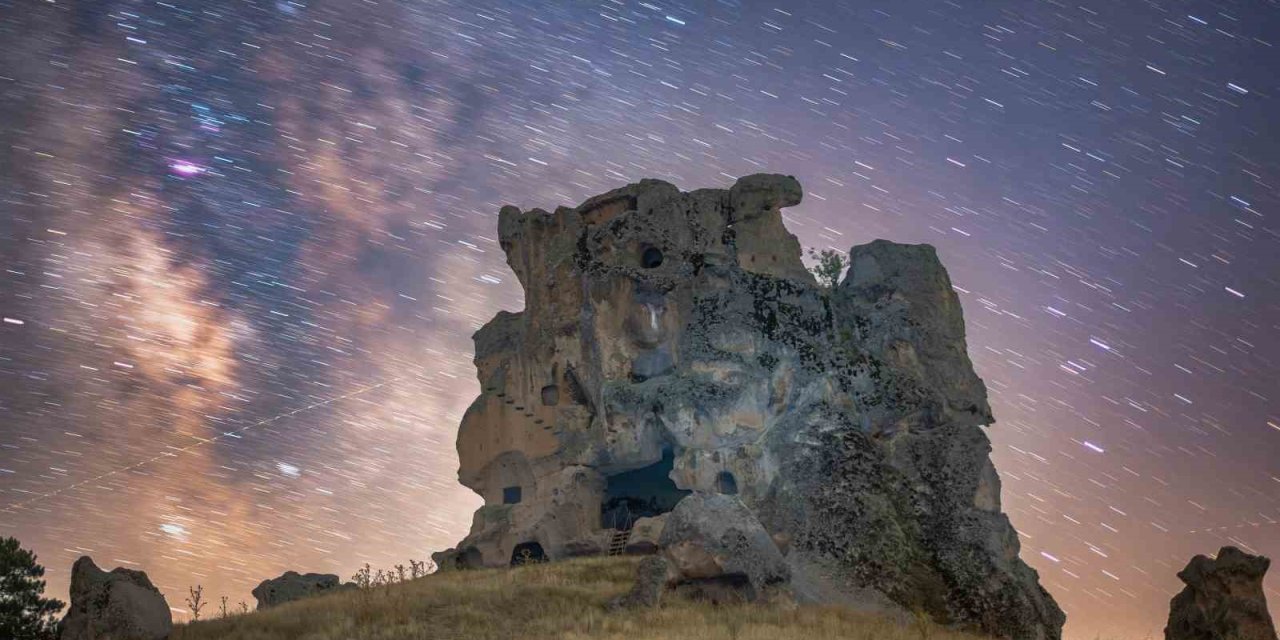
point(651, 258)
point(469, 558)
point(726, 484)
point(640, 493)
point(527, 553)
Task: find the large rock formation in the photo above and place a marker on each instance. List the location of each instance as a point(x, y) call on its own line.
point(1223, 599)
point(292, 585)
point(674, 342)
point(120, 605)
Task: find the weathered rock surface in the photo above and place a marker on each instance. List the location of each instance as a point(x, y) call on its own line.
point(714, 548)
point(292, 586)
point(715, 540)
point(1223, 599)
point(646, 535)
point(118, 605)
point(673, 342)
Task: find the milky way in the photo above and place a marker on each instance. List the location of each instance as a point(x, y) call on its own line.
point(245, 245)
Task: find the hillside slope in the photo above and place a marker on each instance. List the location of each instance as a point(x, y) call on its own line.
point(557, 600)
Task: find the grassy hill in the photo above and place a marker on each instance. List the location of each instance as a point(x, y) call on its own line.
point(558, 600)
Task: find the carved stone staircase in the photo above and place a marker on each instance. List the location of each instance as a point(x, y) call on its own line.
point(618, 544)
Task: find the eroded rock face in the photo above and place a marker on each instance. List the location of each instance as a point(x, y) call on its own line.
point(673, 342)
point(292, 586)
point(118, 605)
point(1223, 599)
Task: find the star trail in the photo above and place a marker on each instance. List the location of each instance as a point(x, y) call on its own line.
point(245, 243)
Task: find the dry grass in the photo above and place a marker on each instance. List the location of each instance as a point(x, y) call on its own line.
point(559, 600)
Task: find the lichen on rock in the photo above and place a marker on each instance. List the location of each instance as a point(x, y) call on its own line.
point(673, 346)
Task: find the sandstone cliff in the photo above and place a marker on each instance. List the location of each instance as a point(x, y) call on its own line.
point(674, 342)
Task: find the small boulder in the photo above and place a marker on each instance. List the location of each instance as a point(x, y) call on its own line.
point(645, 534)
point(652, 576)
point(1223, 599)
point(120, 605)
point(585, 546)
point(294, 586)
point(714, 539)
point(713, 548)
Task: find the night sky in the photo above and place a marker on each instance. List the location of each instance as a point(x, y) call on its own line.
point(245, 243)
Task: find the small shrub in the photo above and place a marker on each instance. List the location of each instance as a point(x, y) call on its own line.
point(922, 623)
point(419, 568)
point(195, 601)
point(363, 577)
point(829, 266)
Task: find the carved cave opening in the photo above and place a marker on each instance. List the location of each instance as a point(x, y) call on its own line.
point(469, 558)
point(726, 483)
point(527, 553)
point(651, 258)
point(550, 395)
point(640, 493)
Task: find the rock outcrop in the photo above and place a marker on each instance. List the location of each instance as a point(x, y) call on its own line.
point(118, 605)
point(674, 342)
point(295, 586)
point(1223, 599)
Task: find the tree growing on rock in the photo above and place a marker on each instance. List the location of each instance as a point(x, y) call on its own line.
point(25, 614)
point(829, 265)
